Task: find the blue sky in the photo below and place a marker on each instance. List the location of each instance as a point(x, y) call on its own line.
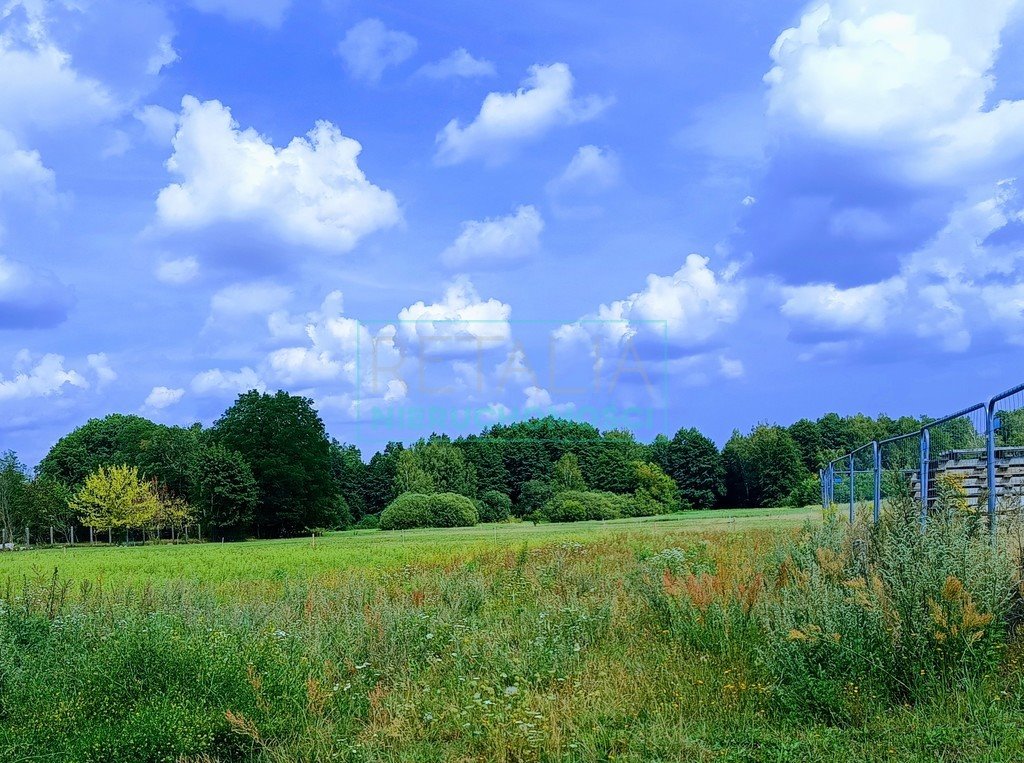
point(435, 217)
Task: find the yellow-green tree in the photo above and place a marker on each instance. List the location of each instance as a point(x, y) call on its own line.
point(116, 496)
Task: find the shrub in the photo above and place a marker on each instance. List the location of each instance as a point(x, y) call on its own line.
point(369, 522)
point(886, 613)
point(495, 506)
point(451, 510)
point(655, 491)
point(579, 505)
point(411, 510)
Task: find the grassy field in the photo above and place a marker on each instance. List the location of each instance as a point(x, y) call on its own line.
point(305, 558)
point(736, 636)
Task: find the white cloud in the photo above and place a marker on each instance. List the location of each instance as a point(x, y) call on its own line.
point(311, 192)
point(730, 368)
point(538, 398)
point(959, 285)
point(40, 88)
point(496, 242)
point(592, 169)
point(31, 297)
point(216, 382)
point(100, 365)
point(162, 397)
point(495, 412)
point(911, 76)
point(254, 298)
point(163, 56)
point(338, 349)
point(545, 101)
point(459, 64)
point(686, 309)
point(461, 323)
point(178, 271)
point(269, 13)
point(370, 47)
point(44, 377)
point(23, 175)
point(161, 124)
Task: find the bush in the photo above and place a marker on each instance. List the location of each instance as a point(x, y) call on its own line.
point(495, 506)
point(886, 613)
point(579, 505)
point(451, 510)
point(369, 522)
point(807, 493)
point(411, 510)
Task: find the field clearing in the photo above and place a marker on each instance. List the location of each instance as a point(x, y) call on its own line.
point(685, 638)
point(304, 558)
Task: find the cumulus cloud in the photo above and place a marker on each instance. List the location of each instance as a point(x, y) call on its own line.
point(461, 323)
point(592, 170)
point(338, 350)
point(545, 101)
point(310, 192)
point(40, 87)
point(370, 47)
point(459, 64)
point(23, 175)
point(31, 297)
point(912, 77)
point(100, 365)
point(217, 382)
point(42, 377)
point(496, 242)
point(162, 397)
point(967, 281)
point(269, 13)
point(178, 271)
point(687, 309)
point(160, 124)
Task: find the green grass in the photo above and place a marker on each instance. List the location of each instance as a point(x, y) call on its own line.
point(635, 640)
point(304, 558)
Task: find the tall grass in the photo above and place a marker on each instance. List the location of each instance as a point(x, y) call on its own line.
point(633, 646)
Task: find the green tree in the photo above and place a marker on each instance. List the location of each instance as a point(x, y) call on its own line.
point(114, 439)
point(410, 477)
point(655, 491)
point(808, 439)
point(379, 483)
point(13, 486)
point(116, 497)
point(773, 466)
point(435, 466)
point(226, 493)
point(533, 494)
point(693, 462)
point(567, 474)
point(734, 462)
point(48, 504)
point(282, 438)
point(608, 463)
point(350, 475)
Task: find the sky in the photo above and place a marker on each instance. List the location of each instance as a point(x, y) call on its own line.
point(434, 217)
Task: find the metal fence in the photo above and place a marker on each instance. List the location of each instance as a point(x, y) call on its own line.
point(976, 454)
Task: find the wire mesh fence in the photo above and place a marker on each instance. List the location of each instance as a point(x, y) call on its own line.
point(973, 458)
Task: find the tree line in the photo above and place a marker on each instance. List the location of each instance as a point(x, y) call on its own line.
point(267, 467)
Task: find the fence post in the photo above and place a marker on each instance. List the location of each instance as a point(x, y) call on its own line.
point(51, 535)
point(853, 492)
point(27, 541)
point(877, 453)
point(926, 446)
point(990, 463)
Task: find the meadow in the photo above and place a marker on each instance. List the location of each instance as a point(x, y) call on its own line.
point(750, 635)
